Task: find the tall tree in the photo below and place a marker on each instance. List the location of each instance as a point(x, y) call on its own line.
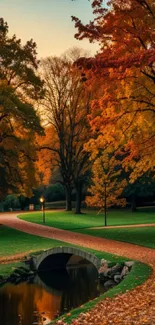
point(20, 87)
point(66, 106)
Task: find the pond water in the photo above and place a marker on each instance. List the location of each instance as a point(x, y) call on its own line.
point(50, 295)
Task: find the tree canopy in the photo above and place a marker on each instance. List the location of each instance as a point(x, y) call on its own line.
point(122, 119)
point(20, 87)
point(125, 63)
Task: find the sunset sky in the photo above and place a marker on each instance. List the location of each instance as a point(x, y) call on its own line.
point(48, 22)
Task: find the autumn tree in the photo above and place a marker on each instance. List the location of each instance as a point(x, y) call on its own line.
point(125, 113)
point(128, 24)
point(20, 87)
point(66, 106)
point(107, 185)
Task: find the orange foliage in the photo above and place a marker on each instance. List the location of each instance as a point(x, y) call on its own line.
point(46, 158)
point(106, 182)
point(124, 115)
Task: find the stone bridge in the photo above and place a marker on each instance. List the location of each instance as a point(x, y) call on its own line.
point(60, 257)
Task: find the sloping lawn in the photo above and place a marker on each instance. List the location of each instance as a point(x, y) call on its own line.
point(14, 242)
point(144, 236)
point(71, 221)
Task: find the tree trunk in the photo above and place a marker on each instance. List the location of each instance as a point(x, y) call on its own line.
point(68, 199)
point(78, 200)
point(105, 204)
point(133, 203)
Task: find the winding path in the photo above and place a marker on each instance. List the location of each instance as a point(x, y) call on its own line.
point(135, 307)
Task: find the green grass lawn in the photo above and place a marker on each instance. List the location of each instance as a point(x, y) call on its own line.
point(71, 221)
point(144, 236)
point(13, 242)
point(82, 223)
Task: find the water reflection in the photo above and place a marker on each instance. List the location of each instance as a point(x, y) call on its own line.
point(52, 294)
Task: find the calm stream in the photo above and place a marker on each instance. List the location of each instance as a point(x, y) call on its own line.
point(52, 294)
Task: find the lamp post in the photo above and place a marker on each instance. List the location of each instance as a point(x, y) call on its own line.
point(42, 201)
point(105, 204)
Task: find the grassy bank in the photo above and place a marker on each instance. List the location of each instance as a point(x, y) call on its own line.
point(14, 242)
point(139, 273)
point(144, 236)
point(70, 221)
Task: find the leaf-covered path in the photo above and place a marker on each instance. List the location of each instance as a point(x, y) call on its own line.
point(135, 307)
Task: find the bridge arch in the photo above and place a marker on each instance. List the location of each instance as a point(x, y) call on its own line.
point(62, 254)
